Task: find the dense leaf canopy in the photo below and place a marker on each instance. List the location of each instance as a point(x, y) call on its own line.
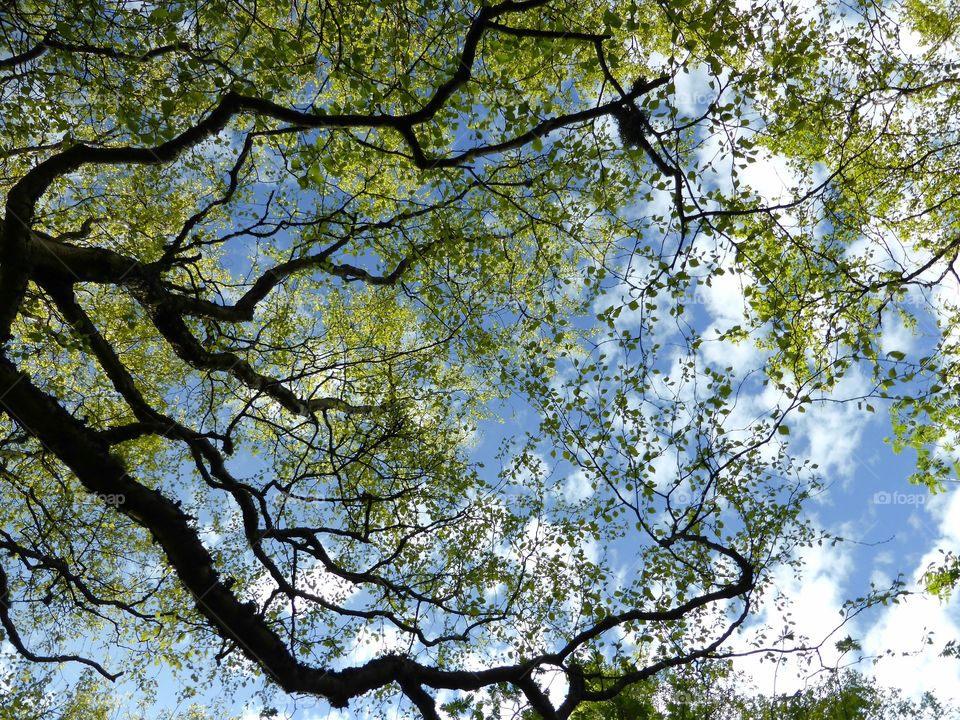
point(271, 272)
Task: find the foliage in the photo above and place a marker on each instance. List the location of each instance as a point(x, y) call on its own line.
point(27, 695)
point(269, 273)
point(719, 695)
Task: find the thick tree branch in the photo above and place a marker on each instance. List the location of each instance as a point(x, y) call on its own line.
point(49, 42)
point(100, 472)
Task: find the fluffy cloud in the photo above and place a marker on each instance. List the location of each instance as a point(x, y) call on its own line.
point(813, 600)
point(915, 666)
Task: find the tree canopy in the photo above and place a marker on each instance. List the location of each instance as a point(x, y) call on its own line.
point(717, 694)
point(271, 273)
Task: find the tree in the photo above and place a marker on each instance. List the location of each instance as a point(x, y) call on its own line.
point(27, 695)
point(717, 694)
point(265, 271)
point(28, 698)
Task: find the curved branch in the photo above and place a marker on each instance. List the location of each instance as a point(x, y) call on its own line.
point(743, 585)
point(171, 325)
point(51, 43)
point(100, 472)
point(62, 568)
point(6, 604)
point(23, 196)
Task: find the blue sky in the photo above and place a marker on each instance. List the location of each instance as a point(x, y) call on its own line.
point(889, 528)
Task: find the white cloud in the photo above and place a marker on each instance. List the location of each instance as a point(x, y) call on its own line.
point(770, 177)
point(903, 627)
point(814, 599)
point(577, 486)
point(724, 300)
point(895, 335)
point(693, 92)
